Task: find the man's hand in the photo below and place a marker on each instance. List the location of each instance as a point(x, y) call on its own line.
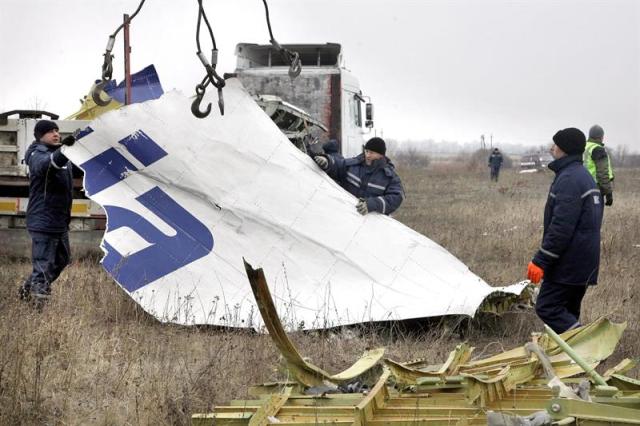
point(362, 207)
point(69, 140)
point(322, 162)
point(608, 199)
point(534, 273)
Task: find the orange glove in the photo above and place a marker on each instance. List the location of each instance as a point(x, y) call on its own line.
point(534, 273)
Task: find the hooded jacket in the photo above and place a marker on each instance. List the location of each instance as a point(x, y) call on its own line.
point(50, 188)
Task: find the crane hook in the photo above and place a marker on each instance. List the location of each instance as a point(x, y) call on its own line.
point(195, 106)
point(96, 94)
point(296, 65)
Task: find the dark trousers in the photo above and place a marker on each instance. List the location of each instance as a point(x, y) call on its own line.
point(558, 305)
point(495, 172)
point(50, 254)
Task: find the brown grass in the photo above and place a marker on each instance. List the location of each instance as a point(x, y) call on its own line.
point(93, 357)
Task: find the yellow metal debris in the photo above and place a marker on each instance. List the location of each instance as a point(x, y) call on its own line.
point(510, 385)
point(305, 372)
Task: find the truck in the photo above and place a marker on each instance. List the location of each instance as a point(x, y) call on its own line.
point(536, 162)
point(324, 102)
point(325, 90)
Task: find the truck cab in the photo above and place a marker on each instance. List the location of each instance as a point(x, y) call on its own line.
point(325, 90)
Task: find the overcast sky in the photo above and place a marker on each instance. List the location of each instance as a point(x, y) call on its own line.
point(453, 70)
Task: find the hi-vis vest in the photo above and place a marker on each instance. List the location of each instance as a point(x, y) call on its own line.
point(590, 164)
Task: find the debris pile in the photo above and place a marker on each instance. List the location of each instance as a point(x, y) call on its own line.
point(543, 382)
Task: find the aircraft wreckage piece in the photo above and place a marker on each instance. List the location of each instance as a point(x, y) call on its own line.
point(305, 372)
point(507, 389)
point(186, 199)
point(448, 400)
point(593, 343)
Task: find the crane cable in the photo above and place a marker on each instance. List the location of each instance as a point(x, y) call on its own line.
point(107, 65)
point(212, 76)
point(290, 57)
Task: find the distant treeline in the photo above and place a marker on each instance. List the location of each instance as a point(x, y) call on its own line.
point(621, 157)
point(423, 153)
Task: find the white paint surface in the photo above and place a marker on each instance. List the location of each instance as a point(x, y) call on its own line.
point(326, 265)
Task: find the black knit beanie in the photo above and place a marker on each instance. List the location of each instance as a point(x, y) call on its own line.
point(43, 127)
point(572, 141)
point(376, 145)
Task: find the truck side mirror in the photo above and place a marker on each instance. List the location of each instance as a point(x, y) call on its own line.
point(369, 115)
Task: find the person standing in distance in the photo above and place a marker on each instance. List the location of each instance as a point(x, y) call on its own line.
point(598, 163)
point(495, 162)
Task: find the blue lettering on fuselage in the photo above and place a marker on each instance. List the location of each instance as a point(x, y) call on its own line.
point(166, 254)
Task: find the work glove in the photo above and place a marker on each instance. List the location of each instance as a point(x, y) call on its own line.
point(69, 140)
point(534, 273)
point(362, 207)
point(58, 158)
point(322, 162)
point(608, 199)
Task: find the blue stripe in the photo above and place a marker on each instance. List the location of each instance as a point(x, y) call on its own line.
point(84, 132)
point(143, 148)
point(104, 170)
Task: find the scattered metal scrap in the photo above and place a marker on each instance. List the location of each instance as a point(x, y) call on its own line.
point(543, 382)
point(304, 372)
point(295, 123)
point(500, 302)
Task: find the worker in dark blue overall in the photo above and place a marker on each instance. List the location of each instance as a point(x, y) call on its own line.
point(370, 176)
point(495, 162)
point(569, 257)
point(49, 209)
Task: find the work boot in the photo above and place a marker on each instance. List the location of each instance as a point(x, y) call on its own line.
point(39, 300)
point(24, 292)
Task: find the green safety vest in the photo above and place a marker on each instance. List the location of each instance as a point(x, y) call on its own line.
point(590, 164)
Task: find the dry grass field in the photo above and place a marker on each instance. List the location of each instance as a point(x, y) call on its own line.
point(93, 357)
